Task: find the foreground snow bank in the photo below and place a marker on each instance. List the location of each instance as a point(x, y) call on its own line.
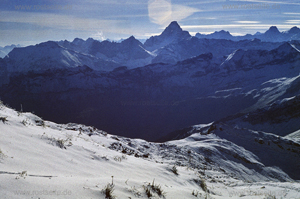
point(41, 159)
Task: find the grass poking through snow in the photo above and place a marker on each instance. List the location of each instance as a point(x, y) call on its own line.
point(153, 188)
point(108, 191)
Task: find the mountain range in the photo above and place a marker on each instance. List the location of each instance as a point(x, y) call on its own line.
point(172, 81)
point(271, 35)
point(179, 116)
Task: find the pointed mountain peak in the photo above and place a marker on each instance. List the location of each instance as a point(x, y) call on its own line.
point(131, 40)
point(272, 30)
point(294, 30)
point(174, 25)
point(257, 33)
point(172, 28)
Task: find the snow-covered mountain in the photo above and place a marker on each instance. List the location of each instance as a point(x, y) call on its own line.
point(49, 55)
point(78, 45)
point(216, 35)
point(281, 117)
point(129, 52)
point(271, 35)
point(202, 80)
point(150, 101)
point(43, 159)
point(193, 46)
point(171, 46)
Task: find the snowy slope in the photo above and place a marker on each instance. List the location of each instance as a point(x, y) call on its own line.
point(281, 117)
point(41, 159)
point(129, 52)
point(49, 55)
point(295, 136)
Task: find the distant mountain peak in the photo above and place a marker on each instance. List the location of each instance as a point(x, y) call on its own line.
point(174, 24)
point(272, 30)
point(257, 33)
point(173, 27)
point(131, 40)
point(222, 32)
point(172, 33)
point(294, 30)
point(77, 39)
point(50, 44)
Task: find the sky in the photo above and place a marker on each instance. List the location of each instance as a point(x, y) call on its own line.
point(28, 22)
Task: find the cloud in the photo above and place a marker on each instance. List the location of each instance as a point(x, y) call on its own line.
point(162, 12)
point(291, 13)
point(237, 28)
point(181, 12)
point(115, 2)
point(27, 27)
point(99, 36)
point(57, 21)
point(151, 34)
point(248, 22)
point(215, 26)
point(293, 21)
point(272, 2)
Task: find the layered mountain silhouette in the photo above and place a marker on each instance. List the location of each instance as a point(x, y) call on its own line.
point(271, 35)
point(172, 81)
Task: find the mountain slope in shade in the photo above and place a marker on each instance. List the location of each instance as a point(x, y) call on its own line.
point(6, 49)
point(220, 48)
point(281, 117)
point(249, 59)
point(73, 160)
point(130, 52)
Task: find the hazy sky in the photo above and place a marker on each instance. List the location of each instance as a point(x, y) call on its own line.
point(28, 22)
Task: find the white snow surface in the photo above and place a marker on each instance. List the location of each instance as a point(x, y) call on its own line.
point(42, 159)
point(49, 55)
